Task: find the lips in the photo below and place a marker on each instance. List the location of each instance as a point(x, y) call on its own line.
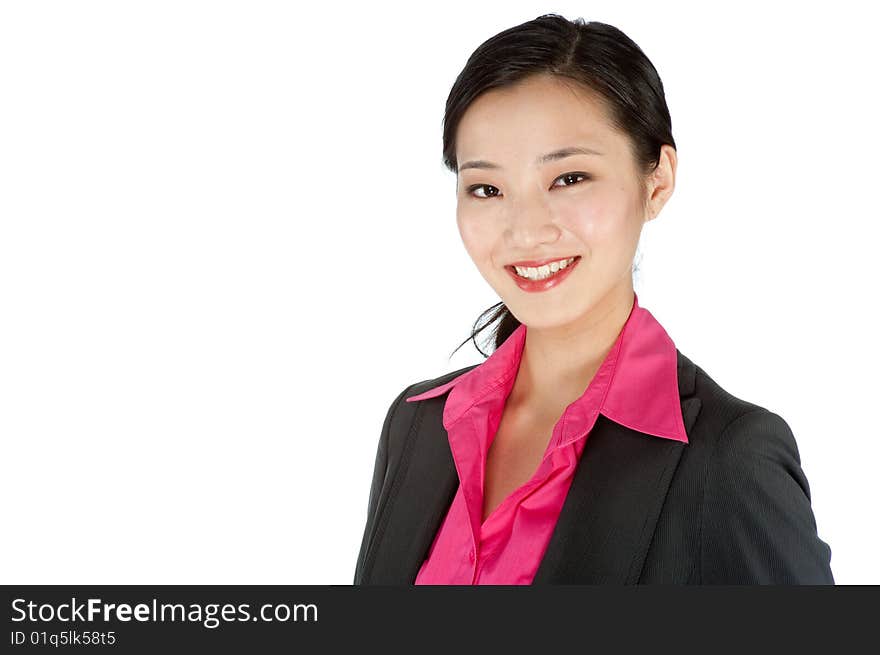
point(535, 263)
point(543, 285)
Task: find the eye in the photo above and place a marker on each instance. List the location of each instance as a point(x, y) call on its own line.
point(565, 176)
point(571, 175)
point(474, 187)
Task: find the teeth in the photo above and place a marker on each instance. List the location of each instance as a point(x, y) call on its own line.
point(542, 272)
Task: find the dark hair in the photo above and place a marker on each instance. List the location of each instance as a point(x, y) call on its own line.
point(598, 56)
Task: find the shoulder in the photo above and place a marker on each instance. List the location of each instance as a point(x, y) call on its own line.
point(738, 433)
point(432, 383)
point(400, 414)
point(717, 403)
point(757, 523)
point(726, 423)
point(757, 454)
point(416, 388)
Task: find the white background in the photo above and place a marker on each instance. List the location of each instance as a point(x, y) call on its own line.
point(210, 212)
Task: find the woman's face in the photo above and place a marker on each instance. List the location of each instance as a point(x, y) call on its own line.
point(513, 206)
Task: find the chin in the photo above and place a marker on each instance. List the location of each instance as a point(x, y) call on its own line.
point(542, 318)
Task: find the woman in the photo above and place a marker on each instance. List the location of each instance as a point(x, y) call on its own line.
point(587, 448)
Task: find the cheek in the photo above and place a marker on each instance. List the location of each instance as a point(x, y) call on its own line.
point(600, 223)
point(477, 235)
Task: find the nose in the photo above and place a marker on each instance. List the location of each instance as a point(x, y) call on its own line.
point(530, 223)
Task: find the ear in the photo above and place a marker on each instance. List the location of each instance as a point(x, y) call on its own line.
point(661, 183)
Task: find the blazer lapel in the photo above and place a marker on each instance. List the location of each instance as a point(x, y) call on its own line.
point(605, 525)
point(609, 515)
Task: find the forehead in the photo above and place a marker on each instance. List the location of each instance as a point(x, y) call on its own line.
point(534, 115)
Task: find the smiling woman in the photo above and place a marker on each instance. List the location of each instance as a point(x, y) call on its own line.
point(586, 448)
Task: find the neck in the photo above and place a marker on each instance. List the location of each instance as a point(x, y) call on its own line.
point(559, 363)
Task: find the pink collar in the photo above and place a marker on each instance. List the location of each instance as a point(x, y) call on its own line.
point(636, 385)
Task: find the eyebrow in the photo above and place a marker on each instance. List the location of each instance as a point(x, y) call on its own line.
point(555, 155)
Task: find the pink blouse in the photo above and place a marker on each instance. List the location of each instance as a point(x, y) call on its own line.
point(636, 386)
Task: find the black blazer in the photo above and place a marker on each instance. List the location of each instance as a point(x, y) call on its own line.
point(732, 506)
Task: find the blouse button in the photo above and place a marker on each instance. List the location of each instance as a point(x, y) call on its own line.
point(471, 555)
